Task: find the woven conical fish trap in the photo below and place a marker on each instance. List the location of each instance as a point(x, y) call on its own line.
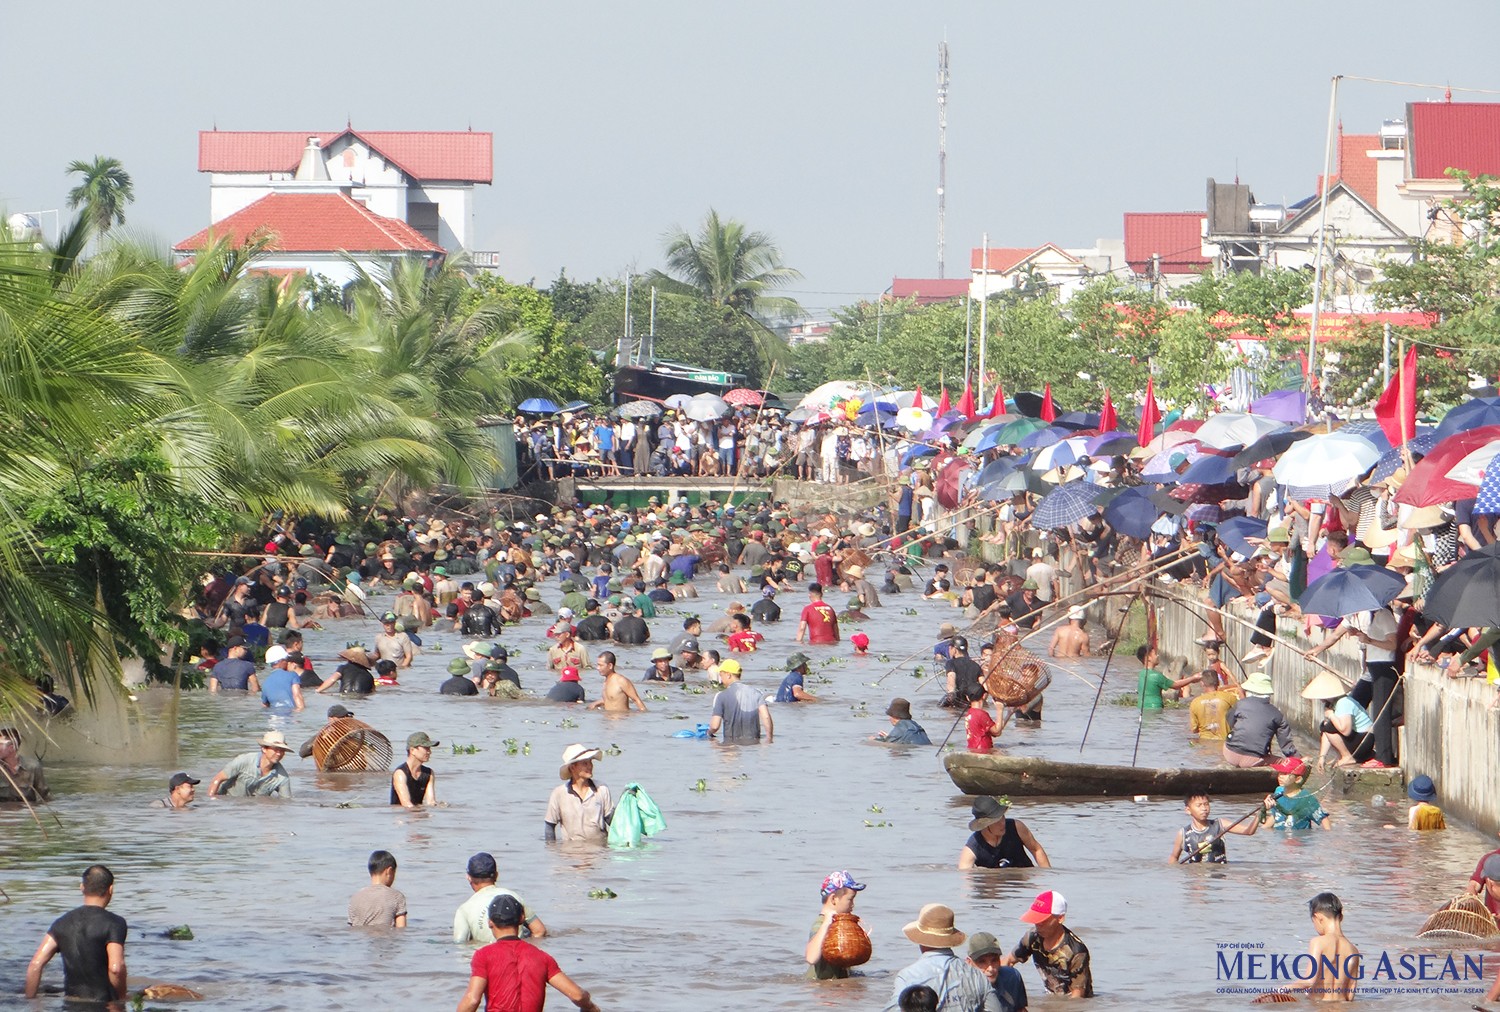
point(1464, 916)
point(1014, 675)
point(347, 745)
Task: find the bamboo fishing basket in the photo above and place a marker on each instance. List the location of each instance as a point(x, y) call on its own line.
point(846, 943)
point(348, 745)
point(1014, 675)
point(1274, 998)
point(1464, 917)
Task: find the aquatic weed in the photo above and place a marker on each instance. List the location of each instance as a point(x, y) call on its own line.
point(603, 894)
point(613, 749)
point(701, 785)
point(466, 749)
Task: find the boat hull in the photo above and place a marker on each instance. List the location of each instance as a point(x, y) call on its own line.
point(1033, 776)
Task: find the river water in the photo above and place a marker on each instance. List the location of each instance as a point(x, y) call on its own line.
point(714, 912)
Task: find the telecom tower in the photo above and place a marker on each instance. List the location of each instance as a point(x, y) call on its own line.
point(942, 188)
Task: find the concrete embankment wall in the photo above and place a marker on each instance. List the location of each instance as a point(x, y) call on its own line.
point(1451, 733)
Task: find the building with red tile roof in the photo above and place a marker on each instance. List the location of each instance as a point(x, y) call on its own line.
point(929, 290)
point(1168, 242)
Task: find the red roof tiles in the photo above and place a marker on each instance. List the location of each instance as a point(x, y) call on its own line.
point(929, 290)
point(463, 156)
point(315, 223)
point(1002, 258)
point(1459, 135)
point(1175, 236)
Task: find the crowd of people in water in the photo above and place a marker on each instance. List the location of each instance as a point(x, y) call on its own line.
point(1252, 559)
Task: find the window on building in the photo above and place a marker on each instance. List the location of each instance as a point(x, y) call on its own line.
point(423, 217)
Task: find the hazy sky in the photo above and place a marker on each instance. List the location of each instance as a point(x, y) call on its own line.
point(814, 121)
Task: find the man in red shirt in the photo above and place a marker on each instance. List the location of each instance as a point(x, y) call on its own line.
point(820, 623)
point(511, 975)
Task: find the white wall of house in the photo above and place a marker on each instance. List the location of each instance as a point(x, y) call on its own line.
point(455, 204)
point(1390, 173)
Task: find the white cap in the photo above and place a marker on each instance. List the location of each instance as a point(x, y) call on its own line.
point(276, 654)
point(565, 613)
point(1075, 614)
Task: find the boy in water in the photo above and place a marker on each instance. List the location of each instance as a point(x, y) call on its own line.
point(838, 898)
point(1202, 839)
point(1337, 958)
point(1291, 807)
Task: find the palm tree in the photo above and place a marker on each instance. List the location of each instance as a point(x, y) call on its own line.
point(733, 269)
point(104, 191)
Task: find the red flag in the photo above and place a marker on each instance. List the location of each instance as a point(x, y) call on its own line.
point(943, 406)
point(1049, 413)
point(1397, 408)
point(998, 408)
point(916, 401)
point(1150, 415)
point(1107, 419)
point(966, 402)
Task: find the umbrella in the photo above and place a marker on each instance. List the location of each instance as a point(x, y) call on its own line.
point(537, 406)
point(988, 439)
point(1068, 505)
point(1232, 427)
point(1236, 532)
point(1478, 413)
point(678, 402)
point(1167, 440)
point(1132, 513)
point(1014, 431)
point(1197, 492)
point(997, 469)
point(1370, 430)
point(1162, 468)
point(1268, 447)
point(945, 487)
point(640, 409)
point(829, 393)
point(1288, 406)
point(1324, 465)
point(1393, 459)
point(1065, 452)
point(1010, 484)
point(799, 415)
point(1351, 590)
point(1210, 469)
point(901, 398)
point(706, 408)
point(1164, 503)
point(1468, 592)
point(1204, 513)
point(1176, 423)
point(1029, 403)
point(1078, 420)
point(1043, 437)
point(914, 419)
point(1429, 483)
point(574, 406)
point(1107, 444)
point(1487, 503)
point(917, 450)
point(744, 397)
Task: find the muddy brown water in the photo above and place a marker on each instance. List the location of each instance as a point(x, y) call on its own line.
point(713, 913)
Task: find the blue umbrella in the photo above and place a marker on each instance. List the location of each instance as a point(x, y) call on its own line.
point(1351, 590)
point(574, 406)
point(1288, 406)
point(989, 440)
point(1470, 415)
point(917, 450)
point(537, 406)
point(1103, 443)
point(1236, 532)
point(1132, 513)
point(1210, 469)
point(1044, 437)
point(1068, 505)
point(1078, 420)
point(1487, 503)
point(997, 469)
point(1392, 460)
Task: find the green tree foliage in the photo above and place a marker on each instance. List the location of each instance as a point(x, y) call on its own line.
point(103, 191)
point(555, 364)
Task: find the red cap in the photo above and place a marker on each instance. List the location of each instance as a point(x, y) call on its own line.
point(1290, 765)
point(860, 640)
point(1048, 904)
point(570, 674)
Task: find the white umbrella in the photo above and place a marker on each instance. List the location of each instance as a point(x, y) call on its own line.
point(914, 419)
point(706, 408)
point(1325, 463)
point(1167, 440)
point(1471, 469)
point(1061, 453)
point(828, 393)
point(678, 401)
point(1232, 428)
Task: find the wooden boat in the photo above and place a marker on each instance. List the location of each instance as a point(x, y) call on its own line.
point(1032, 776)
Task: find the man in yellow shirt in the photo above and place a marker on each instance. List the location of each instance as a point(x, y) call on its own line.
point(1207, 713)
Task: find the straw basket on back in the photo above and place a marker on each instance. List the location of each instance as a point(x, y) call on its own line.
point(347, 745)
point(846, 943)
point(1464, 916)
point(1014, 675)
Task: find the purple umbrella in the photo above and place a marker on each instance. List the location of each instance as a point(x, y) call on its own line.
point(1097, 443)
point(1288, 406)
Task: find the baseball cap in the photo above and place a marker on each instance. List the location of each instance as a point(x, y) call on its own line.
point(482, 865)
point(982, 943)
point(840, 880)
point(421, 740)
point(389, 616)
point(768, 591)
point(1290, 765)
point(338, 710)
point(275, 654)
point(569, 675)
point(178, 779)
point(505, 911)
point(730, 667)
point(565, 613)
point(1048, 904)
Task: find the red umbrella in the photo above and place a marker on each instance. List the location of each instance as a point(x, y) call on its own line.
point(1049, 412)
point(744, 397)
point(1429, 484)
point(946, 484)
point(1185, 425)
point(943, 406)
point(998, 408)
point(966, 402)
point(1107, 417)
point(1150, 415)
point(916, 401)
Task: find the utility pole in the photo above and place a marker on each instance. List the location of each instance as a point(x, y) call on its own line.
point(942, 187)
point(984, 310)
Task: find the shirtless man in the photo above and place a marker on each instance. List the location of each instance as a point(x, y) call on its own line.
point(1336, 957)
point(1070, 640)
point(619, 692)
